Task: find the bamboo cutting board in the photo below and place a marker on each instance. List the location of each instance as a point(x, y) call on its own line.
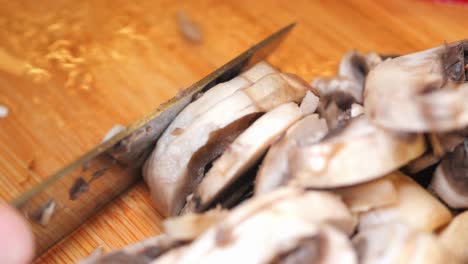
point(71, 70)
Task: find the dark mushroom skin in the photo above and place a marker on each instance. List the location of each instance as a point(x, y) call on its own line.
point(450, 181)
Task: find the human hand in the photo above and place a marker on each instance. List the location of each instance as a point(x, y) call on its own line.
point(16, 239)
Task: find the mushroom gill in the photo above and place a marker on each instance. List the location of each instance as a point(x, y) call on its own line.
point(356, 153)
point(244, 152)
point(420, 92)
point(173, 174)
point(274, 170)
point(450, 181)
point(209, 99)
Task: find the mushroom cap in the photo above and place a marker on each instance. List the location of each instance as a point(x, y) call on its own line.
point(368, 196)
point(173, 174)
point(337, 160)
point(397, 243)
point(415, 207)
point(263, 227)
point(243, 153)
point(450, 181)
point(420, 92)
point(274, 170)
point(455, 236)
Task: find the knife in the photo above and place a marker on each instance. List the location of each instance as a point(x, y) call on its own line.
point(65, 200)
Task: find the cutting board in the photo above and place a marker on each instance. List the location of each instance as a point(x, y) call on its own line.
point(71, 70)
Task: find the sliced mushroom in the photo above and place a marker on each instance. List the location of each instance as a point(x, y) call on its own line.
point(245, 151)
point(415, 207)
point(209, 99)
point(348, 86)
point(368, 196)
point(173, 174)
point(427, 95)
point(273, 225)
point(310, 103)
point(326, 247)
point(450, 181)
point(455, 236)
point(188, 227)
point(274, 170)
point(357, 153)
point(141, 252)
point(397, 243)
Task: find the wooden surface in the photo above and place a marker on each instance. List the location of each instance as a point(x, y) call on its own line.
point(70, 70)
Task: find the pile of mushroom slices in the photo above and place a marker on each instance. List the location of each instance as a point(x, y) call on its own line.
point(370, 166)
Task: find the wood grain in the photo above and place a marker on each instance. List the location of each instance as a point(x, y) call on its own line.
point(70, 70)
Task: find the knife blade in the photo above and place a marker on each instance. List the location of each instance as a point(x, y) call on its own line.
point(65, 200)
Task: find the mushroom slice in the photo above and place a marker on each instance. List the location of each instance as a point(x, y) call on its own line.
point(310, 103)
point(173, 174)
point(368, 196)
point(428, 95)
point(326, 247)
point(142, 252)
point(450, 181)
point(415, 207)
point(348, 86)
point(209, 99)
point(455, 236)
point(356, 153)
point(266, 226)
point(274, 170)
point(397, 243)
point(188, 227)
point(246, 149)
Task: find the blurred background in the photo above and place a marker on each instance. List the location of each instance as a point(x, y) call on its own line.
point(71, 70)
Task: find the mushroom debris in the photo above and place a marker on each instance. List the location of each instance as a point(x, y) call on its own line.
point(370, 166)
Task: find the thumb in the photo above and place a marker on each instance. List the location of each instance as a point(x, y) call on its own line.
point(16, 239)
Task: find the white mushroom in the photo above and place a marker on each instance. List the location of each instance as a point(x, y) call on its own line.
point(415, 207)
point(419, 92)
point(244, 152)
point(357, 153)
point(368, 196)
point(397, 243)
point(450, 181)
point(173, 174)
point(276, 225)
point(274, 170)
point(190, 226)
point(455, 236)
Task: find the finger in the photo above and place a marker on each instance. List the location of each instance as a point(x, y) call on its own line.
point(16, 240)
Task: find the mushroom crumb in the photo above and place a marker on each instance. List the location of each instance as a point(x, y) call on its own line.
point(45, 213)
point(3, 111)
point(265, 168)
point(189, 29)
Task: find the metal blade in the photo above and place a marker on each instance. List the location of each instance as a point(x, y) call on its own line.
point(61, 203)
